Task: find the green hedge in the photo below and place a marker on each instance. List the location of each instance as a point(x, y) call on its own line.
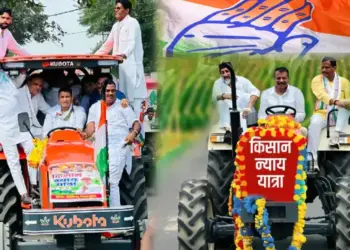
point(186, 84)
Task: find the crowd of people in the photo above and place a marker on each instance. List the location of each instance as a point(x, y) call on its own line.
point(330, 89)
point(66, 101)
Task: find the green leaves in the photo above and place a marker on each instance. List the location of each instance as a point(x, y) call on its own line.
point(99, 18)
point(186, 85)
point(30, 22)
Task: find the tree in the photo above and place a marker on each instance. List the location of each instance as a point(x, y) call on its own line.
point(30, 23)
point(99, 18)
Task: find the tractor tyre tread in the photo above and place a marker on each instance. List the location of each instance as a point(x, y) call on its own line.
point(192, 215)
point(133, 190)
point(342, 211)
point(220, 173)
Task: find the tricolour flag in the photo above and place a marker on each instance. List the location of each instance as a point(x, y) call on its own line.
point(101, 151)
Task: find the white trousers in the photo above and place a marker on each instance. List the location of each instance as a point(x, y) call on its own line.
point(117, 160)
point(12, 158)
point(317, 123)
point(136, 104)
point(342, 119)
point(224, 114)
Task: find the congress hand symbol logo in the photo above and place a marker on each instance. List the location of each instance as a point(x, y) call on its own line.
point(253, 26)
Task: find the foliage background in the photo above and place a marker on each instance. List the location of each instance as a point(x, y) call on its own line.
point(186, 86)
point(99, 18)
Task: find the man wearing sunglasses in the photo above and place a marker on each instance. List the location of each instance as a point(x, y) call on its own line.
point(247, 94)
point(283, 94)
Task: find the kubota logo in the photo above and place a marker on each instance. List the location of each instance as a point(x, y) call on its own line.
point(58, 64)
point(94, 221)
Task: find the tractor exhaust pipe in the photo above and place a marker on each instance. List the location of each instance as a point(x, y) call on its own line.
point(236, 129)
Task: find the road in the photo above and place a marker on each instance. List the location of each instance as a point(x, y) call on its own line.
point(164, 205)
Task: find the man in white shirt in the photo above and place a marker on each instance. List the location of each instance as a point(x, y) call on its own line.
point(64, 114)
point(7, 40)
point(31, 101)
point(125, 39)
point(120, 121)
point(283, 94)
point(247, 94)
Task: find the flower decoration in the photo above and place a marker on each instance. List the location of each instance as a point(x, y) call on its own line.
point(276, 127)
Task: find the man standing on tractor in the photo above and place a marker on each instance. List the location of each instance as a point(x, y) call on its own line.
point(122, 126)
point(247, 94)
point(64, 114)
point(7, 40)
point(125, 39)
point(330, 89)
point(10, 135)
point(283, 94)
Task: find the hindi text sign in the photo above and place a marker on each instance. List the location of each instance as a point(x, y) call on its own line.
point(271, 165)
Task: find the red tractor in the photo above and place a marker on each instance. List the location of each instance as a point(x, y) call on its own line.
point(73, 204)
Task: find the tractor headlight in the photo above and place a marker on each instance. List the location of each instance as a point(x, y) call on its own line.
point(217, 138)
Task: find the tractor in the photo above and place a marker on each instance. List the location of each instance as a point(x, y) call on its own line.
point(206, 206)
point(72, 211)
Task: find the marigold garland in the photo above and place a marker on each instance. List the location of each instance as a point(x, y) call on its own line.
point(274, 126)
point(36, 155)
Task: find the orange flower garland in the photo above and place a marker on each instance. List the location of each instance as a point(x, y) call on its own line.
point(275, 126)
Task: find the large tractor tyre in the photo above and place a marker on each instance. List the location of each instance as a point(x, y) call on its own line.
point(194, 209)
point(336, 165)
point(133, 189)
point(220, 175)
point(148, 153)
point(5, 237)
point(342, 211)
point(10, 206)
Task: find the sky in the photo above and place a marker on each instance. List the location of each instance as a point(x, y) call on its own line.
point(72, 44)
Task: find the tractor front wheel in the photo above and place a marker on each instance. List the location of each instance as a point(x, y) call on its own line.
point(194, 210)
point(133, 189)
point(220, 175)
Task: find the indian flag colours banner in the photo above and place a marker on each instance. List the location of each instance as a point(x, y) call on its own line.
point(101, 153)
point(254, 27)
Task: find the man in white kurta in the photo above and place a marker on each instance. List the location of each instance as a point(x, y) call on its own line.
point(247, 94)
point(120, 121)
point(10, 135)
point(283, 94)
point(32, 101)
point(64, 114)
point(125, 40)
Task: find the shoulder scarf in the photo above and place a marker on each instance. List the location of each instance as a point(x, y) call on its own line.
point(334, 93)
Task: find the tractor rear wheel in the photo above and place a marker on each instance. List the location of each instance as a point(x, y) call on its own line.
point(342, 211)
point(194, 209)
point(10, 207)
point(133, 189)
point(220, 175)
point(335, 165)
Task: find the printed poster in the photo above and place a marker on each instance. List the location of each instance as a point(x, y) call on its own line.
point(75, 182)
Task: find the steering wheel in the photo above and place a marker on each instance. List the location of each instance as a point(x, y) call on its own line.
point(270, 110)
point(59, 128)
